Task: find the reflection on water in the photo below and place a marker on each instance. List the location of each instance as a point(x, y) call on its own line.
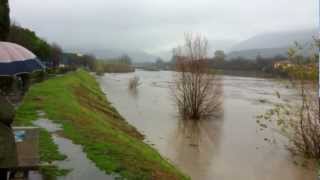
point(134, 92)
point(194, 143)
point(224, 149)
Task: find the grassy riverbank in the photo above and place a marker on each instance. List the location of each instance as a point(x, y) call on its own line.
point(76, 101)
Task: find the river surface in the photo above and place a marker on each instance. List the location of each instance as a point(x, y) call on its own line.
point(227, 148)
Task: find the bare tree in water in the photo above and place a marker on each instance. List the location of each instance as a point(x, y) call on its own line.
point(196, 89)
point(134, 83)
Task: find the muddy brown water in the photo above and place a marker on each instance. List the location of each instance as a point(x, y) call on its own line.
point(227, 148)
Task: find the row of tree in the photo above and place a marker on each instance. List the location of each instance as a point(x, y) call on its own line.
point(220, 62)
point(51, 54)
point(121, 64)
point(260, 64)
point(242, 64)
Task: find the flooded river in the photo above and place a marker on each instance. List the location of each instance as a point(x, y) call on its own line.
point(228, 148)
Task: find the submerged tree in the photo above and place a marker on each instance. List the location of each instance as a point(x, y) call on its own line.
point(196, 89)
point(134, 83)
point(299, 122)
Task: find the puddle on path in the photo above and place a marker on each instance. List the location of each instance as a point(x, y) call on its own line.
point(82, 168)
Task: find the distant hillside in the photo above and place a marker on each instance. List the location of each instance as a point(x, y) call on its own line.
point(271, 44)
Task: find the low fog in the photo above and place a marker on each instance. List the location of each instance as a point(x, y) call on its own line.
point(159, 25)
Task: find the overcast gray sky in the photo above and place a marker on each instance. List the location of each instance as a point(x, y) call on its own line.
point(159, 25)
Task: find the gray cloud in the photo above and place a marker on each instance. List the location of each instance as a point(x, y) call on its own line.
point(158, 25)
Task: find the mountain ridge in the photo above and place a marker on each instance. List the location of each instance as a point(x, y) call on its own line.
point(271, 44)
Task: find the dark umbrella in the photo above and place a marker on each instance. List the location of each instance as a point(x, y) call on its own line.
point(15, 60)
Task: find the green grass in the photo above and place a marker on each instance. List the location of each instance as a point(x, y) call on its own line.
point(76, 101)
point(48, 150)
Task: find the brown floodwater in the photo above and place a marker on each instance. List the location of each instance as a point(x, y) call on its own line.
point(226, 148)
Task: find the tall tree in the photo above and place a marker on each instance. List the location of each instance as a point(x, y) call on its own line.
point(56, 54)
point(4, 20)
point(125, 59)
point(219, 55)
point(30, 40)
point(159, 62)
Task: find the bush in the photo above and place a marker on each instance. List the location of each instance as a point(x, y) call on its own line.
point(60, 70)
point(196, 90)
point(38, 76)
point(134, 82)
point(6, 84)
point(299, 122)
point(102, 67)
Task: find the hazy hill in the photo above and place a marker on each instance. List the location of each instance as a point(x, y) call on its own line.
point(271, 44)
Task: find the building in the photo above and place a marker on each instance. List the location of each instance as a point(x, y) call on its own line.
point(282, 64)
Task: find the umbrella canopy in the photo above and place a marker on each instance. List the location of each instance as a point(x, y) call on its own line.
point(15, 59)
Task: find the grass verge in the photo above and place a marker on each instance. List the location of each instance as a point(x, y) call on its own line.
point(76, 101)
point(48, 150)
